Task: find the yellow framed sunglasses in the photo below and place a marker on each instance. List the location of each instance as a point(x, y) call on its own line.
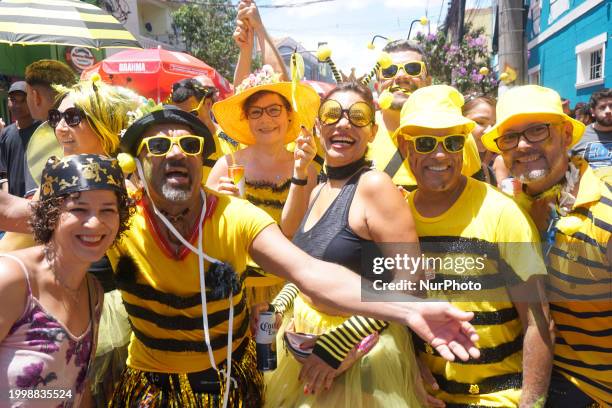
point(411, 68)
point(160, 145)
point(425, 144)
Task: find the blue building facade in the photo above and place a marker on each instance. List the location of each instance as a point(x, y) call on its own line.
point(569, 46)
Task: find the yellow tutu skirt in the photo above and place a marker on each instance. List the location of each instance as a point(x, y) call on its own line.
point(111, 352)
point(386, 377)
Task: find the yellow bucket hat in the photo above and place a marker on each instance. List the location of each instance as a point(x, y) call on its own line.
point(529, 101)
point(439, 107)
point(230, 116)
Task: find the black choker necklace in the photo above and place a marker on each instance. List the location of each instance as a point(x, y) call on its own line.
point(346, 171)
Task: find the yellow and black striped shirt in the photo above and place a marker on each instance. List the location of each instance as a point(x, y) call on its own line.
point(160, 289)
point(489, 228)
point(580, 289)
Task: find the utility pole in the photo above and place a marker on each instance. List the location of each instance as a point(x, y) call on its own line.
point(454, 20)
point(460, 21)
point(512, 52)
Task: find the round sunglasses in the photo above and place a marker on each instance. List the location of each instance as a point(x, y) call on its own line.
point(160, 145)
point(426, 144)
point(72, 116)
point(359, 114)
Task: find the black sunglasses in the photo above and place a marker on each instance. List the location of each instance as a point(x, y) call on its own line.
point(413, 68)
point(72, 116)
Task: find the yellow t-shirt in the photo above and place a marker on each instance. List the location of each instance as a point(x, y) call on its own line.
point(161, 292)
point(482, 223)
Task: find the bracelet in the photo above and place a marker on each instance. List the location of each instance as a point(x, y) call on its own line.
point(299, 182)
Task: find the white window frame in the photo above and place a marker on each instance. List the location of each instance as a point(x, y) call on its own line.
point(583, 60)
point(532, 72)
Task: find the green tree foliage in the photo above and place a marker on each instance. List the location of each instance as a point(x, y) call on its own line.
point(207, 32)
point(460, 66)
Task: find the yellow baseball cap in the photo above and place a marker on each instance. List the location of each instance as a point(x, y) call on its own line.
point(529, 101)
point(439, 107)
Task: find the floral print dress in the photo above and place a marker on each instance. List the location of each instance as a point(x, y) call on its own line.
point(42, 364)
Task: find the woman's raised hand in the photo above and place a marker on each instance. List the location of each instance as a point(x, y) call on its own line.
point(226, 186)
point(304, 153)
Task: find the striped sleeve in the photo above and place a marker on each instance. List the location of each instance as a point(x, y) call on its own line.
point(284, 300)
point(333, 346)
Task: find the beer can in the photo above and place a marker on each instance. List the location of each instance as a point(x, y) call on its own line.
point(265, 341)
point(236, 173)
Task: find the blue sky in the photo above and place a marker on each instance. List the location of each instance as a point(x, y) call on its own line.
point(348, 25)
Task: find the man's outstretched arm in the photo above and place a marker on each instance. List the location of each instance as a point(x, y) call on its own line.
point(443, 326)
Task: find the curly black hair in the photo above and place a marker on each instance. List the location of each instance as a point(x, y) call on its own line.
point(46, 213)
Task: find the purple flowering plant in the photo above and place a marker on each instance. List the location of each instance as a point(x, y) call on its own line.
point(460, 65)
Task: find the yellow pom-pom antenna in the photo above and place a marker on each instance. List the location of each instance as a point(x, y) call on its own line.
point(484, 71)
point(96, 77)
point(127, 163)
point(385, 99)
point(324, 55)
point(504, 77)
point(371, 46)
point(384, 61)
point(423, 20)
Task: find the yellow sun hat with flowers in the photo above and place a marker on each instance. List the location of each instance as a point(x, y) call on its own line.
point(439, 107)
point(529, 101)
point(230, 115)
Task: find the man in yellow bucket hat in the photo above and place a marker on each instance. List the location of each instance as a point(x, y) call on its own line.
point(461, 218)
point(573, 210)
point(407, 73)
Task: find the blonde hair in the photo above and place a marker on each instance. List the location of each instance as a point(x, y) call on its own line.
point(106, 108)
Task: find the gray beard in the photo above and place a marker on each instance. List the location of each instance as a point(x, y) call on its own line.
point(533, 175)
point(175, 194)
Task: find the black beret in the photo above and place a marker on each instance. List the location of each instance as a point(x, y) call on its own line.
point(169, 114)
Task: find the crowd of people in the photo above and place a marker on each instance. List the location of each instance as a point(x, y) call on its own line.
point(135, 267)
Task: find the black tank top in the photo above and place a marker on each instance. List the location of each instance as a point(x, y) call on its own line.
point(331, 239)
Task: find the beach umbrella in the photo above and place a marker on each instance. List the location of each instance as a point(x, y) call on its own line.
point(151, 72)
point(61, 22)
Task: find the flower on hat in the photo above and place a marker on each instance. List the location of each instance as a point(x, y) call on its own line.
point(264, 76)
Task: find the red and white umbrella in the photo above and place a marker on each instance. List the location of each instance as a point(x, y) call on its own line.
point(151, 72)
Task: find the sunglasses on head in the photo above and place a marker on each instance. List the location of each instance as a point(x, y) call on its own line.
point(412, 68)
point(160, 145)
point(196, 110)
point(359, 114)
point(72, 116)
point(426, 144)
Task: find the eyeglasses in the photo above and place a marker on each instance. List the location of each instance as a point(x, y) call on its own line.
point(533, 134)
point(196, 111)
point(426, 144)
point(160, 145)
point(412, 68)
point(359, 114)
point(72, 116)
point(256, 112)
